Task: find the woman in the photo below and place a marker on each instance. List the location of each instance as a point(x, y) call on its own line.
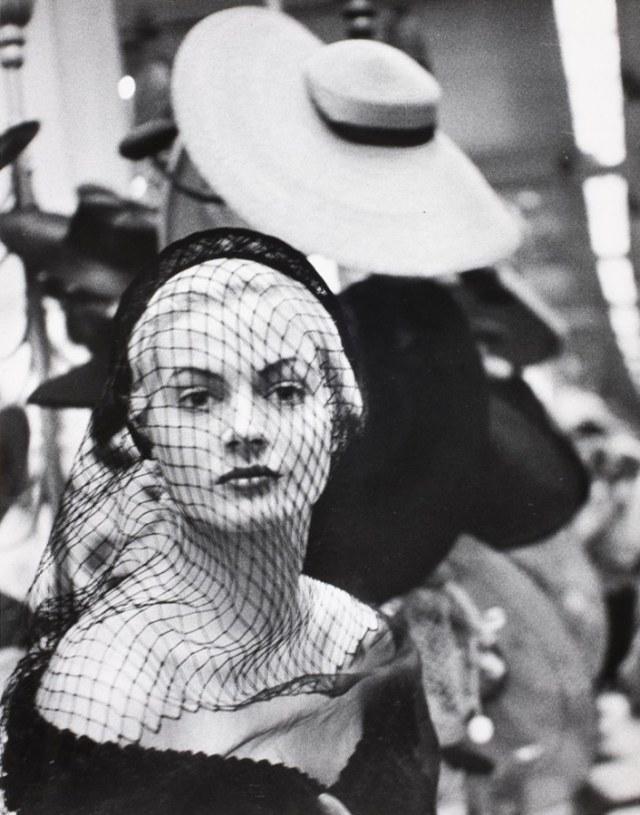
point(180, 661)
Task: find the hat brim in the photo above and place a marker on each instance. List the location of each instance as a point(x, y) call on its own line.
point(248, 124)
point(34, 236)
point(80, 387)
point(507, 318)
point(14, 140)
point(533, 482)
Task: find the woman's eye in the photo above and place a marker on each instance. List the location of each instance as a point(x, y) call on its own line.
point(195, 398)
point(288, 393)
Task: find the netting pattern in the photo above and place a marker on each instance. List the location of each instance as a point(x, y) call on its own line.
point(172, 579)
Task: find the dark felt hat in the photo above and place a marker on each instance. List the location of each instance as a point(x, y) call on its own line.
point(80, 387)
point(107, 244)
point(97, 251)
point(398, 499)
point(533, 481)
point(507, 316)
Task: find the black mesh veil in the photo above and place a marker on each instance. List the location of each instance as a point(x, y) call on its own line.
point(172, 578)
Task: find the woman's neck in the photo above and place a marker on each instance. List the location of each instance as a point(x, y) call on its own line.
point(255, 576)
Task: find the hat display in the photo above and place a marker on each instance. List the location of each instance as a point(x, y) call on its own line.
point(334, 148)
point(147, 139)
point(96, 251)
point(106, 245)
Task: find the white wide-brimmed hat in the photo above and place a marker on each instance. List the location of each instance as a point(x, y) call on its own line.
point(333, 148)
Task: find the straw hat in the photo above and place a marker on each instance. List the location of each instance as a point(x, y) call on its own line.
point(334, 148)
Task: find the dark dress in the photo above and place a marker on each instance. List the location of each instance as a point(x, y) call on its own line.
point(394, 768)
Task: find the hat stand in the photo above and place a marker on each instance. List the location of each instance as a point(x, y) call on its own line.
point(14, 17)
point(360, 18)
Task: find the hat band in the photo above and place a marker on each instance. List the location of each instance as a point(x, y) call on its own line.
point(381, 136)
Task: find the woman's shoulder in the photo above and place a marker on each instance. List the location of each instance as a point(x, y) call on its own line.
point(100, 680)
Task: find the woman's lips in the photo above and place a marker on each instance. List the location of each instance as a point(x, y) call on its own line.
point(249, 477)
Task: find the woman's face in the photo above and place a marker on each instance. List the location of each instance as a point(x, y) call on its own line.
point(241, 422)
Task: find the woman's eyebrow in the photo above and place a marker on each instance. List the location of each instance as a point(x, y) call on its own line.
point(202, 373)
point(280, 367)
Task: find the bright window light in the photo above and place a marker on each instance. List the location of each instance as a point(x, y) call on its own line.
point(606, 199)
point(629, 345)
point(126, 87)
point(625, 321)
point(617, 281)
point(13, 307)
point(590, 49)
point(138, 186)
point(633, 367)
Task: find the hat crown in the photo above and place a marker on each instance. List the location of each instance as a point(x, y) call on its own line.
point(365, 83)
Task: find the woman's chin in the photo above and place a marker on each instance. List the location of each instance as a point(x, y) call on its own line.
point(248, 514)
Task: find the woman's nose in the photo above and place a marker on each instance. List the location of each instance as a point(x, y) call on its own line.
point(245, 436)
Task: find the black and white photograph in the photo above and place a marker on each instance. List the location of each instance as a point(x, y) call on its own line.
point(319, 407)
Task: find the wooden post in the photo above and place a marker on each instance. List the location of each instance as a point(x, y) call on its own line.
point(360, 18)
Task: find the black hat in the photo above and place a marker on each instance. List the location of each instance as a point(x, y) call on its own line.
point(97, 251)
point(399, 498)
point(81, 387)
point(507, 317)
point(533, 481)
